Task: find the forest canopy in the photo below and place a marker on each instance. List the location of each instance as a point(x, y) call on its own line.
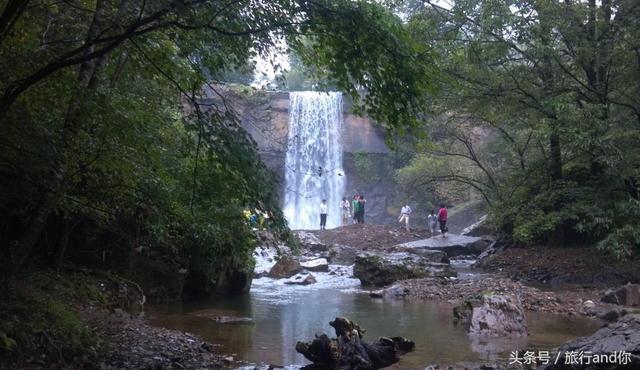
point(539, 113)
point(110, 149)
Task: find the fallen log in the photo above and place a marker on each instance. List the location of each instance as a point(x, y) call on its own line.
point(349, 352)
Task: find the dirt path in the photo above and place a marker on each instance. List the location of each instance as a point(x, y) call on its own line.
point(368, 236)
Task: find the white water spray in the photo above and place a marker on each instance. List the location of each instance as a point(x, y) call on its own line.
point(313, 166)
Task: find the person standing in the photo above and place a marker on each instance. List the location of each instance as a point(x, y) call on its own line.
point(355, 208)
point(432, 222)
point(442, 218)
point(323, 215)
point(361, 203)
point(404, 216)
point(345, 209)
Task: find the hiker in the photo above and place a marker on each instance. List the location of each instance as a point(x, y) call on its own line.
point(404, 216)
point(432, 222)
point(361, 203)
point(355, 208)
point(323, 215)
point(442, 218)
point(345, 209)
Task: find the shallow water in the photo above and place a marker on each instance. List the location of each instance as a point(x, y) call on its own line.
point(283, 315)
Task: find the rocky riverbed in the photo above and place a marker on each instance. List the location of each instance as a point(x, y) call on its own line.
point(131, 343)
point(389, 263)
point(455, 290)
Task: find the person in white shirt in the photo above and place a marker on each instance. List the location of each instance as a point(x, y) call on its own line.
point(432, 222)
point(404, 216)
point(345, 208)
point(323, 215)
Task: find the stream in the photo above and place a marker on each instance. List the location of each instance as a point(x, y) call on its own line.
point(278, 315)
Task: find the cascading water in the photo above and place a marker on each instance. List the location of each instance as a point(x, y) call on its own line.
point(313, 166)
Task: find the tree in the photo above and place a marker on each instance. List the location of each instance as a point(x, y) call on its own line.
point(550, 82)
point(105, 133)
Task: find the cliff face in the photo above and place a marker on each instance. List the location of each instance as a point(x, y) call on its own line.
point(265, 116)
point(268, 124)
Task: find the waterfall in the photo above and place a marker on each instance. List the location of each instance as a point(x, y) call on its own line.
point(313, 166)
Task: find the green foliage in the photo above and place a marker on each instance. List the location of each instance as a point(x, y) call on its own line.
point(370, 55)
point(45, 326)
point(118, 148)
point(624, 240)
point(538, 113)
point(370, 167)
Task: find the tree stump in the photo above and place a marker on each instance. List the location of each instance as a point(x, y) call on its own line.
point(349, 352)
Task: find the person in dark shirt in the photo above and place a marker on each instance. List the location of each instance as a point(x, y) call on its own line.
point(355, 208)
point(361, 202)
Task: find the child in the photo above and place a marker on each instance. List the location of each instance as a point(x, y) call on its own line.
point(432, 222)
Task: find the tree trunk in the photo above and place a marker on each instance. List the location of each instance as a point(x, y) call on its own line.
point(349, 352)
point(12, 11)
point(555, 149)
point(32, 235)
point(50, 199)
point(67, 229)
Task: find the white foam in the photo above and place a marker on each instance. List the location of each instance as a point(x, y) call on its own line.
point(339, 278)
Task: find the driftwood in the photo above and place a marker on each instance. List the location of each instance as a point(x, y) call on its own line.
point(349, 352)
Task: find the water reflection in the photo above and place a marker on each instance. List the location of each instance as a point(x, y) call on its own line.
point(282, 316)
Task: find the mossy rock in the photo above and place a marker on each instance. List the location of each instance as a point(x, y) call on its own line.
point(381, 271)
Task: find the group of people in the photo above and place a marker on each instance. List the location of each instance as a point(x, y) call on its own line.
point(432, 219)
point(257, 218)
point(348, 210)
point(353, 209)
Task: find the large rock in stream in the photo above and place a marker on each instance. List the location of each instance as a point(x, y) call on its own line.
point(301, 279)
point(309, 241)
point(615, 347)
point(286, 267)
point(342, 255)
point(384, 270)
point(316, 265)
point(452, 245)
point(626, 295)
point(492, 315)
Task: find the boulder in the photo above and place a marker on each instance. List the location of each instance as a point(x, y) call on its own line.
point(316, 265)
point(127, 296)
point(302, 280)
point(309, 241)
point(395, 291)
point(377, 294)
point(616, 346)
point(611, 314)
point(384, 270)
point(626, 295)
point(429, 254)
point(286, 267)
point(342, 255)
point(452, 245)
point(463, 312)
point(492, 315)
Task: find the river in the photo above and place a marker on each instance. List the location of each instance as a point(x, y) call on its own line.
point(283, 314)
